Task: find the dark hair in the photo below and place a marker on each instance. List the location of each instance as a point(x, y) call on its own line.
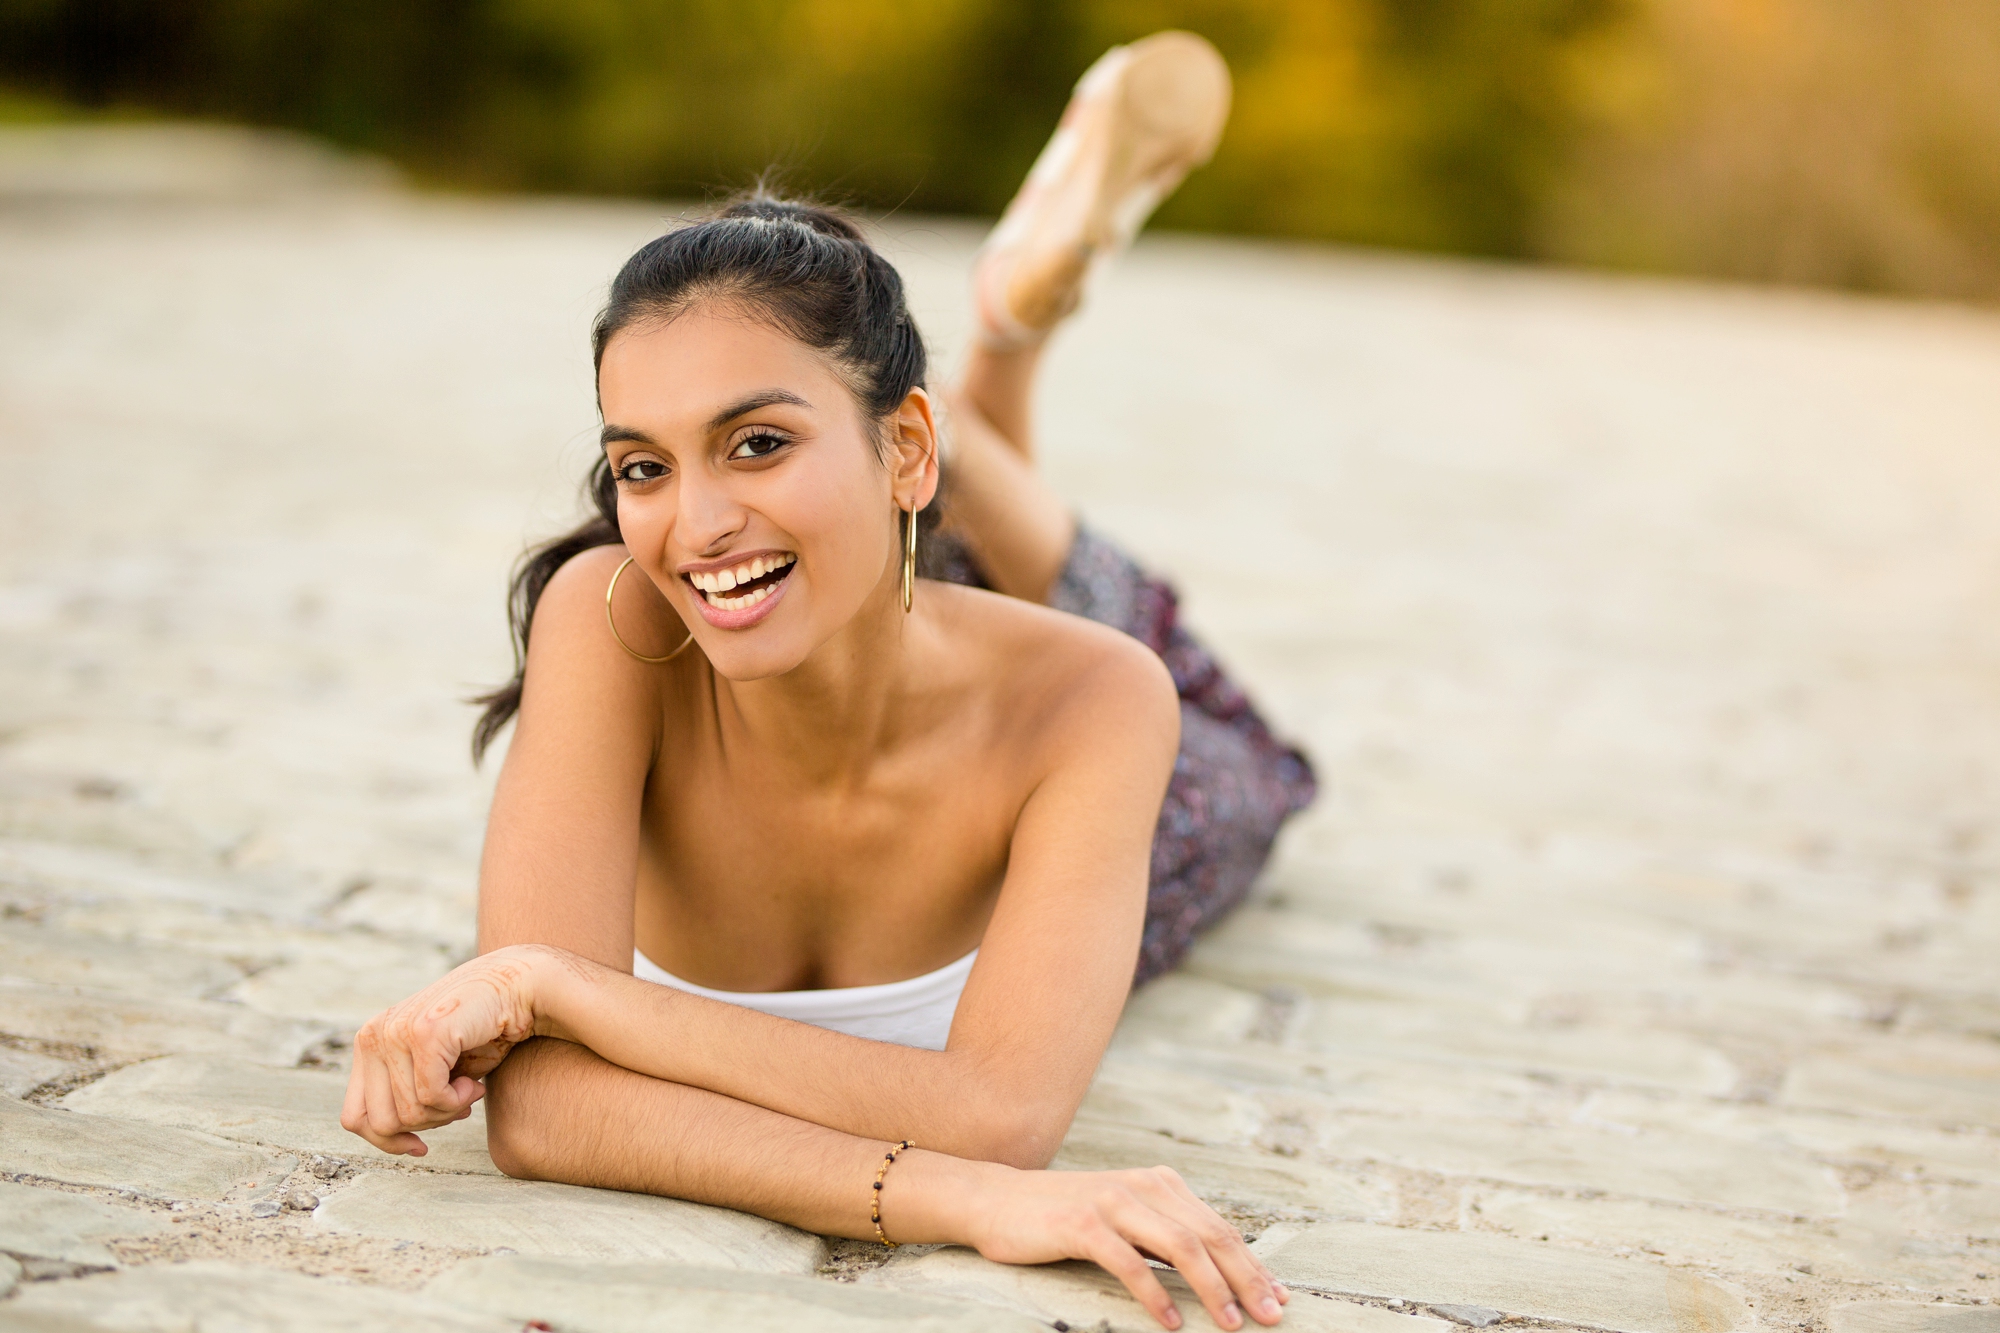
point(804, 268)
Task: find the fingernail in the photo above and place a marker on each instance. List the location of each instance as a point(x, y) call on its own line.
point(1283, 1290)
point(1268, 1307)
point(1233, 1313)
point(1173, 1319)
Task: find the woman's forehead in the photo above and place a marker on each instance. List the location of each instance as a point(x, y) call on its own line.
point(683, 372)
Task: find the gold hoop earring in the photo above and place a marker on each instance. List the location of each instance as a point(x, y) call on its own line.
point(651, 661)
point(910, 562)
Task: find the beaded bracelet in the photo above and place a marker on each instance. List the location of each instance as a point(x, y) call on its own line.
point(875, 1212)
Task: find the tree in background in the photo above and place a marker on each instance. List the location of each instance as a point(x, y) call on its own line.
point(1850, 142)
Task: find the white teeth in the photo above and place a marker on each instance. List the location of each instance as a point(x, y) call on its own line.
point(738, 603)
point(712, 585)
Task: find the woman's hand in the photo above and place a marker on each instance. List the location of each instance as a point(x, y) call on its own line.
point(1119, 1219)
point(417, 1065)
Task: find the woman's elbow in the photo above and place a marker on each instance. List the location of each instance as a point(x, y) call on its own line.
point(1023, 1137)
point(516, 1137)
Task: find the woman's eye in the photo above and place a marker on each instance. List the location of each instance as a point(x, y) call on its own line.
point(757, 446)
point(642, 469)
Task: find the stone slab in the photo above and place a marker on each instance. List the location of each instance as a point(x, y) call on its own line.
point(1913, 1317)
point(1282, 1075)
point(1590, 1054)
point(1223, 1173)
point(1969, 1210)
point(151, 1160)
point(1540, 1281)
point(67, 958)
point(595, 1297)
point(126, 1027)
point(1191, 1008)
point(233, 1298)
point(71, 1228)
point(1656, 1164)
point(1847, 1249)
point(1901, 1145)
point(65, 872)
point(563, 1221)
point(297, 1109)
point(1084, 1296)
point(21, 1072)
point(1940, 1088)
point(1171, 1101)
point(339, 991)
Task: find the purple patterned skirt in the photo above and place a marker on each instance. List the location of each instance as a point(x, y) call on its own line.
point(1234, 782)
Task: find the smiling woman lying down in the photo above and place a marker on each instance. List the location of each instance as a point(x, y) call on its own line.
point(798, 857)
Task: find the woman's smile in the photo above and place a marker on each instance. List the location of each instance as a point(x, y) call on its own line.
point(739, 595)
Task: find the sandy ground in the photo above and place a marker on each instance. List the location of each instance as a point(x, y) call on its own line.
point(1634, 972)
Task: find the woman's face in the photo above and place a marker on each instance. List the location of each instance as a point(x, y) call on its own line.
point(751, 488)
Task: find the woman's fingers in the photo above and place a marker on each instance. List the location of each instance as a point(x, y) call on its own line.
point(381, 1123)
point(1142, 1223)
point(1108, 1250)
point(1256, 1291)
point(400, 1066)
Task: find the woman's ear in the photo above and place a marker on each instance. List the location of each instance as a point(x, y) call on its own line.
point(913, 458)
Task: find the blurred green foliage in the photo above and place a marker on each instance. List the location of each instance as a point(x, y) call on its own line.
point(1854, 142)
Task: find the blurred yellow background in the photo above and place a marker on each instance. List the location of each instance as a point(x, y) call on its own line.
point(1846, 143)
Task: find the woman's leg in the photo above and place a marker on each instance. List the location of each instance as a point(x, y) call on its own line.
point(1234, 782)
point(1142, 117)
point(1015, 528)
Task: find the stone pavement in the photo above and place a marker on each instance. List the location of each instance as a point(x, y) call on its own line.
point(1635, 972)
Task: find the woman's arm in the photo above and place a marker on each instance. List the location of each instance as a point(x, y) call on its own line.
point(563, 1113)
point(1052, 976)
point(1054, 969)
point(1055, 961)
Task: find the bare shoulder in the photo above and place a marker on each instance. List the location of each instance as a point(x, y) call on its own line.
point(570, 615)
point(575, 668)
point(1072, 681)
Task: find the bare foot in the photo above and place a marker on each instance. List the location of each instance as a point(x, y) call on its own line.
point(1142, 117)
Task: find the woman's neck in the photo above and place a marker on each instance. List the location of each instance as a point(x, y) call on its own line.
point(837, 713)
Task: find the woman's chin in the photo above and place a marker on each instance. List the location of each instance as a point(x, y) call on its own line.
point(754, 643)
point(741, 661)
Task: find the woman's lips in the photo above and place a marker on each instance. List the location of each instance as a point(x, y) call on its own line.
point(745, 616)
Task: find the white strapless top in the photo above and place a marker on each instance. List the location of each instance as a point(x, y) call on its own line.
point(916, 1012)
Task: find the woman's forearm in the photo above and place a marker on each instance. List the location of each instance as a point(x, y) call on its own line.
point(556, 1111)
point(956, 1101)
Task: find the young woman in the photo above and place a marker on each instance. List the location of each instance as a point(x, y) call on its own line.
point(796, 856)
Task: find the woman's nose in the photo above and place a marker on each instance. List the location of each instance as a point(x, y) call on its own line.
point(707, 516)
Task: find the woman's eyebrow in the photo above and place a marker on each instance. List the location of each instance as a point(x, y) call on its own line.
point(751, 402)
point(614, 434)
